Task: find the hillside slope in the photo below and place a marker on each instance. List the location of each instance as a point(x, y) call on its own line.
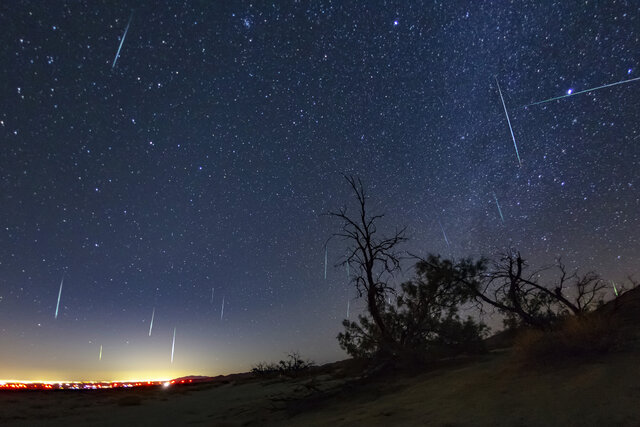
point(492, 392)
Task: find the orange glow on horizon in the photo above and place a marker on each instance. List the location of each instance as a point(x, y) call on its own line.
point(86, 385)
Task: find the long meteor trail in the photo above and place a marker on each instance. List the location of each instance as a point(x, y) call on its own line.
point(173, 345)
point(59, 295)
point(584, 91)
point(325, 263)
point(100, 356)
point(509, 121)
point(222, 309)
point(153, 313)
point(444, 234)
point(121, 42)
point(498, 205)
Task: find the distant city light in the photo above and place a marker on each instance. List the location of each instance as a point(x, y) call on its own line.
point(84, 385)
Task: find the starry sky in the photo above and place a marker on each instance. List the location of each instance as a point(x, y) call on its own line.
point(198, 166)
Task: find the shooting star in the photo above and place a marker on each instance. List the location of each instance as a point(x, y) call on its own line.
point(509, 122)
point(498, 205)
point(325, 263)
point(153, 313)
point(212, 295)
point(121, 42)
point(173, 346)
point(614, 287)
point(444, 234)
point(222, 310)
point(100, 356)
point(348, 307)
point(571, 93)
point(59, 295)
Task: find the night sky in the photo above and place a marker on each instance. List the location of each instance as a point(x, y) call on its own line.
point(204, 158)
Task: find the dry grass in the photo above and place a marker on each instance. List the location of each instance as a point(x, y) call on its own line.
point(577, 337)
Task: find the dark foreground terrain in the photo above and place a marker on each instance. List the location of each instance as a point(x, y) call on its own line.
point(492, 390)
point(480, 391)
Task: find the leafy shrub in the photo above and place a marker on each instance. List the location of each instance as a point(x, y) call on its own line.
point(424, 323)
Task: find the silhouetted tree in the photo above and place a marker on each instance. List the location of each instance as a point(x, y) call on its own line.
point(373, 257)
point(424, 323)
point(518, 292)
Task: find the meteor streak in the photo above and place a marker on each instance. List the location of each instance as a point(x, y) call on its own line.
point(153, 313)
point(100, 356)
point(59, 295)
point(348, 306)
point(583, 91)
point(211, 295)
point(173, 346)
point(509, 121)
point(498, 205)
point(444, 234)
point(614, 287)
point(222, 310)
point(325, 263)
point(121, 42)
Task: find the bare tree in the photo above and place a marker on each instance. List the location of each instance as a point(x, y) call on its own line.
point(373, 257)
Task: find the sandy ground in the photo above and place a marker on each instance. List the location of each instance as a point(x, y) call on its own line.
point(487, 391)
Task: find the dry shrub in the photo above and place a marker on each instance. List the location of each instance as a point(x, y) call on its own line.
point(292, 366)
point(576, 337)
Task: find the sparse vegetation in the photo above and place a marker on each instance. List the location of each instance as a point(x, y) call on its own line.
point(423, 322)
point(293, 365)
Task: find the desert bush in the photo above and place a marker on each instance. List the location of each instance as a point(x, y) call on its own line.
point(576, 337)
point(264, 369)
point(291, 366)
point(294, 363)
